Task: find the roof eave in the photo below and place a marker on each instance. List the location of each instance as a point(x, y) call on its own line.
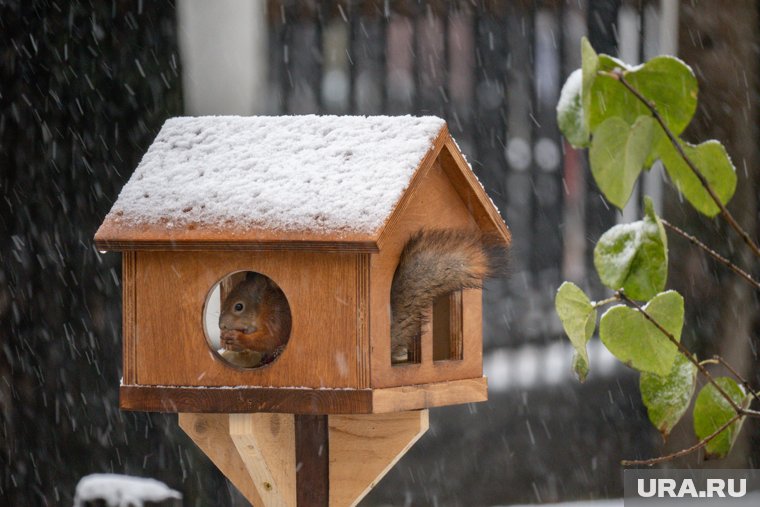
point(113, 236)
point(465, 183)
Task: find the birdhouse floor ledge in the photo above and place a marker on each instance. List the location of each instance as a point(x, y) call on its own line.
point(246, 399)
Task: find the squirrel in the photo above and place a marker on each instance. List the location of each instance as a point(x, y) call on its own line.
point(432, 264)
point(255, 317)
point(254, 322)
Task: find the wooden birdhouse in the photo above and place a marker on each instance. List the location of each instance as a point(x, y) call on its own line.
point(319, 208)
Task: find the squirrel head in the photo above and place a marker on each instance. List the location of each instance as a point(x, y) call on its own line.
point(240, 309)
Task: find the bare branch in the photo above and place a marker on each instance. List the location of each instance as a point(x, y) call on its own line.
point(612, 299)
point(736, 374)
point(683, 452)
point(683, 350)
point(618, 74)
point(715, 255)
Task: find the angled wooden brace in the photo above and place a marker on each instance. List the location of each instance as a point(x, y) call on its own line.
point(298, 461)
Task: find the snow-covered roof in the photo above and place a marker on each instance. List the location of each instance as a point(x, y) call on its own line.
point(323, 174)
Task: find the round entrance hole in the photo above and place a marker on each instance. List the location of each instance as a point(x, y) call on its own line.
point(247, 319)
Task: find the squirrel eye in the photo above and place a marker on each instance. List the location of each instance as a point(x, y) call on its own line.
point(238, 307)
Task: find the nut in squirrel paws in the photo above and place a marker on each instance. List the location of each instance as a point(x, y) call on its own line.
point(232, 340)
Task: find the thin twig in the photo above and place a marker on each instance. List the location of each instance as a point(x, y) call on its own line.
point(618, 74)
point(715, 255)
point(612, 299)
point(682, 348)
point(683, 452)
point(738, 375)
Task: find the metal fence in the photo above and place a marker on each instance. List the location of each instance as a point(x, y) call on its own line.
point(494, 70)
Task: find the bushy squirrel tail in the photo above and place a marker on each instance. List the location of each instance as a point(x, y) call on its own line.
point(434, 263)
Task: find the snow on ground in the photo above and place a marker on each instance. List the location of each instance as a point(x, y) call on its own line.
point(307, 173)
point(615, 502)
point(122, 490)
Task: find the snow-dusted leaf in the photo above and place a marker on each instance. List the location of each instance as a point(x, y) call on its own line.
point(665, 81)
point(635, 341)
point(713, 162)
point(578, 318)
point(570, 111)
point(617, 155)
point(667, 397)
point(634, 256)
point(712, 410)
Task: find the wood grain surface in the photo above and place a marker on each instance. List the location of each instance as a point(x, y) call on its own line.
point(301, 401)
point(322, 290)
point(313, 458)
point(363, 448)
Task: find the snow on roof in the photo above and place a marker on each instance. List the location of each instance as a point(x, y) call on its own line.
point(313, 173)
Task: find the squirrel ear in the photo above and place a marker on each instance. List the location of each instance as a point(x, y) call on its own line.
point(258, 281)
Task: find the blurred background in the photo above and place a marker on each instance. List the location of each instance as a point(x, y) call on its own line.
point(85, 86)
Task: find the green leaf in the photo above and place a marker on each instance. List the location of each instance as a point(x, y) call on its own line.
point(713, 162)
point(617, 156)
point(578, 318)
point(635, 341)
point(665, 81)
point(570, 111)
point(634, 256)
point(589, 68)
point(668, 397)
point(711, 411)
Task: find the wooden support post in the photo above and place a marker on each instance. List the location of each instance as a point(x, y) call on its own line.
point(265, 442)
point(312, 461)
point(364, 447)
point(211, 432)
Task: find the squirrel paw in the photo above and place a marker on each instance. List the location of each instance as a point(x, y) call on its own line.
point(230, 340)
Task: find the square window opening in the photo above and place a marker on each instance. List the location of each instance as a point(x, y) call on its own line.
point(447, 327)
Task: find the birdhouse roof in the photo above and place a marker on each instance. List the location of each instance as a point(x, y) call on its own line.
point(230, 181)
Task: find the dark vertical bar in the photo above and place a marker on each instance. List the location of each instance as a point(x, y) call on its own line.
point(320, 57)
point(602, 23)
point(518, 293)
point(490, 103)
point(642, 31)
point(561, 46)
point(431, 63)
point(417, 61)
point(641, 57)
point(352, 16)
point(276, 54)
point(312, 461)
point(386, 15)
point(489, 126)
point(537, 246)
point(368, 51)
point(547, 176)
point(446, 99)
point(460, 46)
point(286, 78)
